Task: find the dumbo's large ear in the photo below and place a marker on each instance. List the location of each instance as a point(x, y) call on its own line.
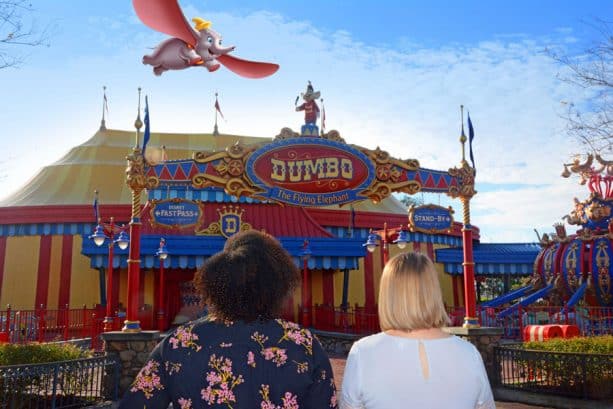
point(247, 69)
point(165, 16)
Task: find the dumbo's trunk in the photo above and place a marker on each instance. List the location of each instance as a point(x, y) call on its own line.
point(222, 50)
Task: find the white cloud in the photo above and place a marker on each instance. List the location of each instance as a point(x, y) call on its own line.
point(405, 100)
point(510, 215)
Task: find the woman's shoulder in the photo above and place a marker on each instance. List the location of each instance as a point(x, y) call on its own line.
point(370, 341)
point(456, 347)
point(461, 344)
point(381, 338)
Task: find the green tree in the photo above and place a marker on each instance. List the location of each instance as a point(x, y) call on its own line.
point(410, 200)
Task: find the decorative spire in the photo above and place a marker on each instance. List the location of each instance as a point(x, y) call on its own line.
point(217, 109)
point(105, 109)
point(463, 138)
point(138, 123)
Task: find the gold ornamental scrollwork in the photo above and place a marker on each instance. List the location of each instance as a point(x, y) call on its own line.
point(389, 175)
point(238, 151)
point(229, 172)
point(227, 169)
point(333, 135)
point(152, 182)
point(286, 133)
point(378, 156)
point(135, 173)
point(137, 180)
point(239, 187)
point(378, 192)
point(466, 181)
point(213, 229)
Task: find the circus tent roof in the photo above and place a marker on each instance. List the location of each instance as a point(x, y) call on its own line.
point(99, 164)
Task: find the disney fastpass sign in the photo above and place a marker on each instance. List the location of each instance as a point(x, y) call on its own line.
point(310, 172)
point(175, 213)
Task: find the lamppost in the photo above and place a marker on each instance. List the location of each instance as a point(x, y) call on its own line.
point(465, 191)
point(101, 233)
point(137, 181)
point(305, 254)
point(384, 236)
point(162, 253)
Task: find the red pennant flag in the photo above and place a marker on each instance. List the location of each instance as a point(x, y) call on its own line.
point(217, 108)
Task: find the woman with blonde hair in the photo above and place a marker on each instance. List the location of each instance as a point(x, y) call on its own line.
point(413, 363)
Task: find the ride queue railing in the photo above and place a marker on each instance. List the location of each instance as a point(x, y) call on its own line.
point(585, 376)
point(348, 320)
point(47, 325)
point(590, 320)
point(44, 325)
point(66, 384)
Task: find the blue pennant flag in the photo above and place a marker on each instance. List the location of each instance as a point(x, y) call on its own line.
point(96, 208)
point(147, 127)
point(471, 136)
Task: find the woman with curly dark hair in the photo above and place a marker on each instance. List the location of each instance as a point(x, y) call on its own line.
point(241, 355)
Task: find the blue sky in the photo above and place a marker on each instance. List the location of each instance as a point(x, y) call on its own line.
point(393, 74)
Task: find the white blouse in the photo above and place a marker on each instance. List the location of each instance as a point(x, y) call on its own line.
point(385, 371)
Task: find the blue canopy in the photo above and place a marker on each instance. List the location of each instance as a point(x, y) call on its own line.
point(492, 258)
point(188, 252)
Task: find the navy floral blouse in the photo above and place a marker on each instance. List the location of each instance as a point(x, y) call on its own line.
point(272, 364)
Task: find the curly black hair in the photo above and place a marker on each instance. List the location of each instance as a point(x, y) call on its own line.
point(250, 279)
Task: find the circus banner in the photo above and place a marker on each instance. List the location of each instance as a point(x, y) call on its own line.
point(311, 171)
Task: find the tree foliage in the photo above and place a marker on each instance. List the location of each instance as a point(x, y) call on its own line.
point(17, 30)
point(591, 123)
point(409, 200)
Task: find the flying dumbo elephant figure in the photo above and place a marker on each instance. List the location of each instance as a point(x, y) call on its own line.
point(191, 47)
point(175, 54)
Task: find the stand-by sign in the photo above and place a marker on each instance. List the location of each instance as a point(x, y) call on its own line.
point(431, 219)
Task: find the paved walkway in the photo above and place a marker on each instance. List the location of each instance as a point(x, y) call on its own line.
point(338, 367)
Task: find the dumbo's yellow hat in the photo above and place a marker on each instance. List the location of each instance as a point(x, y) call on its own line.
point(201, 24)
